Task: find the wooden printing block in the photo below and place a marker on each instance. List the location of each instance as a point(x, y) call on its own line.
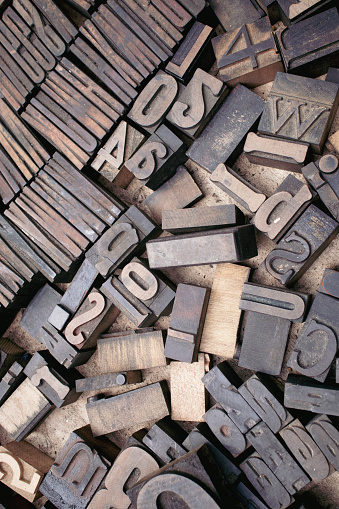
point(177, 193)
point(332, 75)
point(12, 88)
point(122, 241)
point(155, 100)
point(62, 25)
point(54, 381)
point(300, 109)
point(317, 342)
point(175, 12)
point(221, 382)
point(118, 412)
point(277, 458)
point(333, 142)
point(301, 245)
point(217, 246)
point(131, 352)
point(23, 410)
point(95, 315)
point(83, 6)
point(11, 380)
point(248, 55)
point(196, 103)
point(83, 458)
point(187, 319)
point(271, 490)
point(157, 159)
point(194, 479)
point(248, 498)
point(131, 460)
point(194, 50)
point(291, 12)
point(232, 16)
point(323, 177)
point(94, 383)
point(188, 397)
point(194, 6)
point(224, 429)
point(9, 352)
point(23, 467)
point(273, 219)
point(215, 144)
point(305, 450)
point(306, 54)
point(220, 331)
point(237, 188)
point(305, 394)
point(326, 436)
point(276, 153)
point(119, 148)
point(165, 438)
point(262, 398)
point(200, 219)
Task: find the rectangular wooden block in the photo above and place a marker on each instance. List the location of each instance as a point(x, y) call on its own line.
point(216, 144)
point(232, 16)
point(118, 412)
point(188, 398)
point(303, 393)
point(326, 436)
point(95, 383)
point(293, 13)
point(218, 246)
point(220, 331)
point(127, 353)
point(165, 439)
point(300, 109)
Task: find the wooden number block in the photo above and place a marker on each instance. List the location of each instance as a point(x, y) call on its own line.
point(187, 319)
point(122, 241)
point(221, 383)
point(305, 394)
point(326, 436)
point(154, 101)
point(78, 470)
point(305, 450)
point(300, 109)
point(265, 403)
point(94, 383)
point(197, 103)
point(248, 55)
point(238, 114)
point(188, 398)
point(177, 193)
point(301, 245)
point(200, 219)
point(118, 412)
point(307, 54)
point(194, 50)
point(9, 353)
point(217, 246)
point(128, 353)
point(232, 16)
point(23, 467)
point(220, 331)
point(271, 490)
point(273, 219)
point(317, 343)
point(11, 380)
point(165, 439)
point(122, 144)
point(235, 186)
point(23, 410)
point(132, 464)
point(157, 159)
point(277, 458)
point(276, 153)
point(54, 381)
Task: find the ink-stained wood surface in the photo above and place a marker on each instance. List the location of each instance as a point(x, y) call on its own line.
point(197, 219)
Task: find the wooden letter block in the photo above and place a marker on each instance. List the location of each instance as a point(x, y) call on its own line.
point(220, 331)
point(165, 439)
point(177, 193)
point(301, 245)
point(248, 55)
point(276, 153)
point(187, 319)
point(300, 109)
point(326, 437)
point(232, 16)
point(223, 138)
point(247, 498)
point(135, 351)
point(305, 394)
point(9, 352)
point(94, 383)
point(217, 246)
point(11, 380)
point(23, 467)
point(118, 412)
point(188, 399)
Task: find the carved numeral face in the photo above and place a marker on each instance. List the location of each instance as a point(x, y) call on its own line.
point(17, 481)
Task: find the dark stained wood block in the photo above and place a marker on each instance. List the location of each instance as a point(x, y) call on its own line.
point(232, 15)
point(291, 12)
point(332, 75)
point(165, 439)
point(326, 436)
point(12, 379)
point(9, 353)
point(302, 393)
point(95, 383)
